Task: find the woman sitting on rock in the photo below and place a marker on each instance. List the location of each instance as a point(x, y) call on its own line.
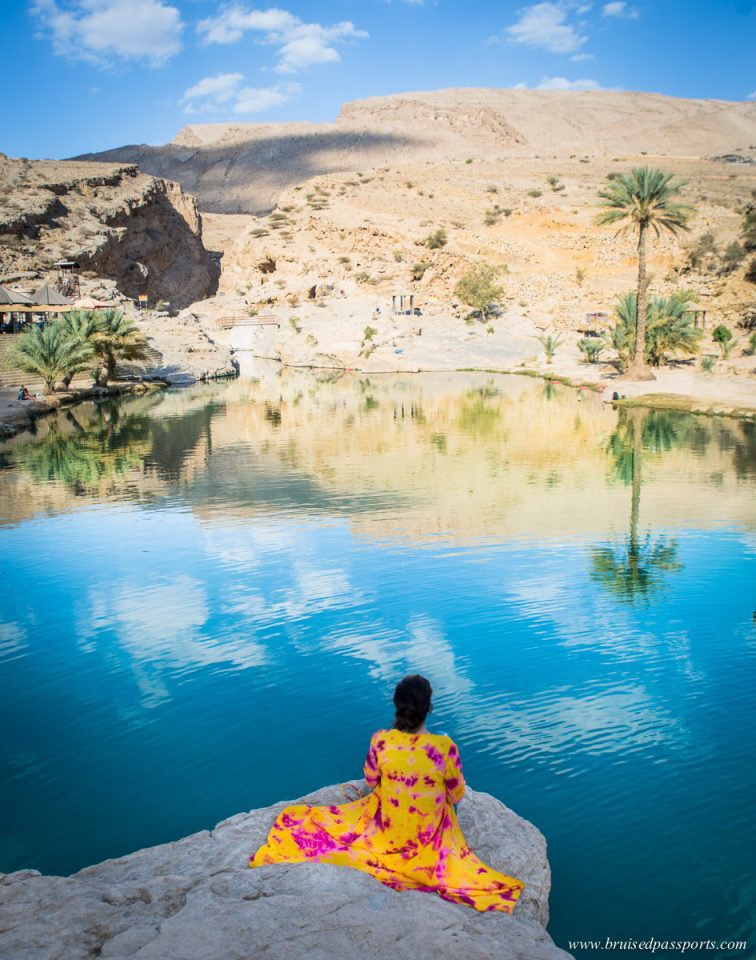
point(404, 833)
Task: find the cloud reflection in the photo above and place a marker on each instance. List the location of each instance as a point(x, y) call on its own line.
point(161, 628)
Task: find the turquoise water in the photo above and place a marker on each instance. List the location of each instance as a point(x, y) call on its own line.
point(209, 596)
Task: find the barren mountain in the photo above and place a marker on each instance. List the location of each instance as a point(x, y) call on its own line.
point(142, 232)
point(242, 168)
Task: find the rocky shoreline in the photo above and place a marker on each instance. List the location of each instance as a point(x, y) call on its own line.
point(195, 899)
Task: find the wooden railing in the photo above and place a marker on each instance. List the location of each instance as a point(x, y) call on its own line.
point(261, 320)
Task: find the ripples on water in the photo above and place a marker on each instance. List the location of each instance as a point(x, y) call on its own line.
point(210, 594)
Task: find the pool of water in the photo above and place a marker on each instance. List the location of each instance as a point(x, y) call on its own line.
point(208, 596)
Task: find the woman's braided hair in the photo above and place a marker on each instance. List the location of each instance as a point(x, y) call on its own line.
point(412, 699)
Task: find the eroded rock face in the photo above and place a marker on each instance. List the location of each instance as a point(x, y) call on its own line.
point(195, 899)
point(142, 232)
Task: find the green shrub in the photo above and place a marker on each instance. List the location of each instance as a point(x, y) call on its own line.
point(591, 348)
point(478, 289)
point(722, 336)
point(436, 240)
point(550, 343)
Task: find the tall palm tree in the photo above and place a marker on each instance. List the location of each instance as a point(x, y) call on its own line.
point(51, 353)
point(117, 338)
point(645, 198)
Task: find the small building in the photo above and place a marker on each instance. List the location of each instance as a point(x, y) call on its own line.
point(403, 304)
point(67, 282)
point(697, 313)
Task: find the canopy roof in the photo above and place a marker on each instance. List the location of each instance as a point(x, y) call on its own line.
point(11, 296)
point(49, 295)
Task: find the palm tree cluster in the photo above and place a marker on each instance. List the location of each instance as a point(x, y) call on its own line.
point(58, 351)
point(669, 327)
point(643, 199)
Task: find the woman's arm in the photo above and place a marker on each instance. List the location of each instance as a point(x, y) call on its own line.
point(455, 782)
point(371, 769)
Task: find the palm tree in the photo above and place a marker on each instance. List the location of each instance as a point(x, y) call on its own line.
point(117, 338)
point(669, 326)
point(645, 199)
point(80, 325)
point(51, 353)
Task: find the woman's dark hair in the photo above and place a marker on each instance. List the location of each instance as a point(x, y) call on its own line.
point(412, 699)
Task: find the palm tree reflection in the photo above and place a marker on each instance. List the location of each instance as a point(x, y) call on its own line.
point(110, 446)
point(634, 570)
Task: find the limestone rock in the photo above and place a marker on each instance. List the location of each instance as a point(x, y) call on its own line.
point(144, 233)
point(195, 899)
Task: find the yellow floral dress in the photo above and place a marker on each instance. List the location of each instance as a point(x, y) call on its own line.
point(404, 833)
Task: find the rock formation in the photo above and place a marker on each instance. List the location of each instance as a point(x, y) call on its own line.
point(142, 232)
point(238, 167)
point(195, 899)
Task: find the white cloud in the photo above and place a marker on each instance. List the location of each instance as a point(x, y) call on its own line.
point(227, 92)
point(751, 96)
point(582, 57)
point(562, 83)
point(220, 88)
point(300, 45)
point(257, 99)
point(98, 30)
point(619, 9)
point(544, 25)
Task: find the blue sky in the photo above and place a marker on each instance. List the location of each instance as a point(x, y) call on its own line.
point(83, 75)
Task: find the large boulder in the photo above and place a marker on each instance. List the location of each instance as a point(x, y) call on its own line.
point(195, 899)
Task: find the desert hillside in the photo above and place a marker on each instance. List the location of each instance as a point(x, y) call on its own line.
point(119, 224)
point(242, 168)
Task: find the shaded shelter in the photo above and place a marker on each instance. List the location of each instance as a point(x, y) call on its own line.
point(49, 296)
point(11, 297)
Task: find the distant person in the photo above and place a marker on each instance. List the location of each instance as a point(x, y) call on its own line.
point(23, 394)
point(405, 832)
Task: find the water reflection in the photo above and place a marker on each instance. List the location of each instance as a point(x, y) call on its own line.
point(634, 570)
point(187, 566)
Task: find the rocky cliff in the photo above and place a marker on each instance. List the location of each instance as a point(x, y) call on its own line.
point(196, 899)
point(144, 233)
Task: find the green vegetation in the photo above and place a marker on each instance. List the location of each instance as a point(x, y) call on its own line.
point(645, 199)
point(669, 327)
point(294, 324)
point(50, 353)
point(479, 290)
point(368, 333)
point(708, 363)
point(535, 193)
point(549, 342)
point(591, 348)
point(63, 348)
point(116, 338)
point(436, 240)
point(722, 336)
